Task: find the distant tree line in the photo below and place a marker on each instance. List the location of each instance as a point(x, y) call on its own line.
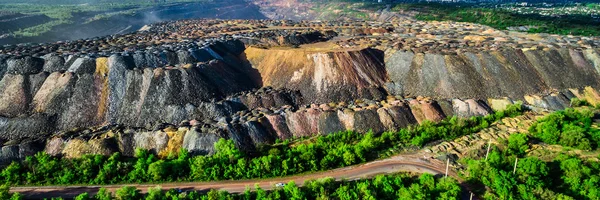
point(75, 2)
point(501, 19)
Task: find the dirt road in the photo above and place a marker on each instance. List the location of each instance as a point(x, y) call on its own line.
point(390, 165)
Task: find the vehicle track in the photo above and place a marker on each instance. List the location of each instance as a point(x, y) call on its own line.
point(401, 163)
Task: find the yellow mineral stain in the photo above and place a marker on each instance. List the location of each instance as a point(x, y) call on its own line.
point(175, 142)
point(591, 95)
point(75, 148)
point(102, 74)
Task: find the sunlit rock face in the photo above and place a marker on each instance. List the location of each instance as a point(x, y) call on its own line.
point(322, 76)
point(493, 74)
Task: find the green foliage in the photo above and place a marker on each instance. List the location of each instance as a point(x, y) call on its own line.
point(576, 102)
point(128, 193)
point(39, 29)
point(103, 194)
point(396, 186)
point(83, 196)
point(571, 128)
point(502, 19)
point(561, 177)
point(63, 11)
point(4, 192)
point(229, 163)
point(518, 144)
point(155, 194)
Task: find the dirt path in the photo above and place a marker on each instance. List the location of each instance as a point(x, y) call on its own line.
point(401, 163)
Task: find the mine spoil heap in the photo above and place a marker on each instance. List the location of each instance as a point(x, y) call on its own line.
point(186, 84)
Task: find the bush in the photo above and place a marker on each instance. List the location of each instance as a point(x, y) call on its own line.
point(128, 193)
point(571, 128)
point(83, 196)
point(562, 178)
point(103, 194)
point(395, 186)
point(576, 102)
point(518, 144)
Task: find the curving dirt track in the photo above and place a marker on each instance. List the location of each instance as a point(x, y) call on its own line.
point(390, 165)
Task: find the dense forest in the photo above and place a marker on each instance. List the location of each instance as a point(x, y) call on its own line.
point(562, 174)
point(396, 186)
point(563, 177)
point(569, 128)
point(500, 19)
point(229, 163)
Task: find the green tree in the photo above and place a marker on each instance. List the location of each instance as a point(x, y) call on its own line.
point(155, 194)
point(83, 196)
point(12, 173)
point(103, 194)
point(158, 170)
point(518, 144)
point(293, 192)
point(128, 193)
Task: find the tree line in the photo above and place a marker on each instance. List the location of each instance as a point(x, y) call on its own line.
point(501, 19)
point(570, 128)
point(229, 163)
point(396, 186)
point(565, 177)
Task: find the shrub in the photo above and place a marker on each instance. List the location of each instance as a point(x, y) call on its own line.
point(576, 102)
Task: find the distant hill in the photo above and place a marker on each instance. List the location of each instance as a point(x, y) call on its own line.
point(89, 1)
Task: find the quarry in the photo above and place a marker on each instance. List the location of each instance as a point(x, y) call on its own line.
point(188, 83)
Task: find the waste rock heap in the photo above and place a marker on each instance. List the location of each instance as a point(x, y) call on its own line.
point(186, 84)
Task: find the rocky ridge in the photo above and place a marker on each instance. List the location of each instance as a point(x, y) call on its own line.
point(186, 84)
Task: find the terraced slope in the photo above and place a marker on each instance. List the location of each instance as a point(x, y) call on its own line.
point(469, 144)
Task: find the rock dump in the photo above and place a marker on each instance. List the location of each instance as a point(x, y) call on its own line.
point(186, 84)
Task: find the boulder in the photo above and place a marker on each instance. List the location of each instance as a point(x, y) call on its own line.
point(83, 66)
point(259, 135)
point(330, 123)
point(298, 124)
point(499, 104)
point(25, 65)
point(53, 93)
point(9, 153)
point(14, 95)
point(402, 115)
point(55, 64)
point(154, 142)
point(239, 135)
point(278, 125)
point(346, 117)
point(312, 119)
point(198, 143)
point(54, 146)
point(77, 147)
point(366, 120)
point(126, 142)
